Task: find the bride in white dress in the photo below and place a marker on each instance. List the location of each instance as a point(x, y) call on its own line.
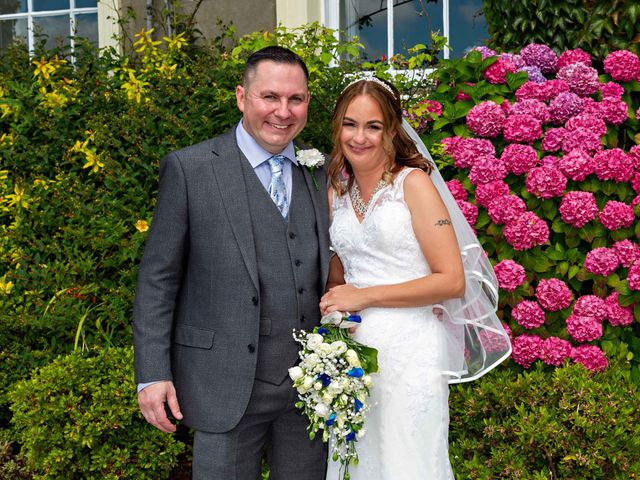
point(398, 262)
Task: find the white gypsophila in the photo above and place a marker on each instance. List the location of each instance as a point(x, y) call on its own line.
point(311, 158)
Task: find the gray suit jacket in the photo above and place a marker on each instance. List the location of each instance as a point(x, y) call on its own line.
point(198, 283)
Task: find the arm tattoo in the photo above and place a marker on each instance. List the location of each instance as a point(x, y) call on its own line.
point(442, 222)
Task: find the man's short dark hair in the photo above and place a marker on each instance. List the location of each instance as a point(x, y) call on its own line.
point(275, 54)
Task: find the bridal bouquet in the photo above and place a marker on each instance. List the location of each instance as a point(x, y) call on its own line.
point(333, 381)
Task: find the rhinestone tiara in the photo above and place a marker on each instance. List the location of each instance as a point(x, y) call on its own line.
point(374, 80)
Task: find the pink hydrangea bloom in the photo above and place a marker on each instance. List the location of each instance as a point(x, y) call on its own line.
point(581, 78)
point(469, 210)
point(485, 51)
point(635, 182)
point(519, 158)
point(590, 306)
point(613, 164)
point(541, 56)
point(487, 169)
point(462, 97)
point(546, 182)
point(528, 314)
point(522, 129)
point(532, 90)
point(633, 277)
point(578, 208)
point(612, 90)
point(581, 138)
point(588, 122)
point(601, 261)
point(468, 150)
point(564, 106)
point(457, 189)
point(553, 294)
point(493, 342)
point(554, 351)
point(553, 139)
point(617, 315)
point(574, 56)
point(627, 252)
point(421, 120)
point(488, 191)
point(635, 201)
point(516, 59)
point(510, 275)
point(622, 65)
point(555, 87)
point(591, 107)
point(549, 161)
point(534, 73)
point(486, 119)
point(616, 215)
point(583, 329)
point(532, 107)
point(526, 349)
point(451, 144)
point(634, 153)
point(590, 356)
point(497, 72)
point(506, 209)
point(613, 110)
point(526, 232)
point(576, 165)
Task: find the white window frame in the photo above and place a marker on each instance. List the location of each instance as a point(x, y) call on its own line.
point(30, 14)
point(331, 19)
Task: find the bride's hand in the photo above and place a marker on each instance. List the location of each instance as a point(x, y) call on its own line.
point(343, 298)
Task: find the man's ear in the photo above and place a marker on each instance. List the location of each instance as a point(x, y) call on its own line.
point(240, 97)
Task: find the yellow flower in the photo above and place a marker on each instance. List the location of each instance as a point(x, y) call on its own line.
point(134, 88)
point(142, 226)
point(93, 161)
point(7, 137)
point(40, 182)
point(5, 286)
point(177, 42)
point(4, 174)
point(44, 68)
point(167, 70)
point(2, 91)
point(6, 110)
point(53, 100)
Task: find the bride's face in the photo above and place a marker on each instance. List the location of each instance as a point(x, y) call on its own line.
point(361, 134)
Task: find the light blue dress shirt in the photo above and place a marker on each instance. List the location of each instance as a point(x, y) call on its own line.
point(258, 157)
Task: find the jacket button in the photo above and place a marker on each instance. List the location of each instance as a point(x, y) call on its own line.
point(251, 348)
point(292, 235)
point(255, 300)
point(303, 318)
point(298, 263)
point(301, 291)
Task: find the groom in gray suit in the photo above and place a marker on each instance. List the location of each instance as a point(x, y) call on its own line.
point(236, 258)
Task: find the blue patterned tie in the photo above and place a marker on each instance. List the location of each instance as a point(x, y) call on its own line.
point(277, 188)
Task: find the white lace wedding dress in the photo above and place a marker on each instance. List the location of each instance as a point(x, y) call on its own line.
point(407, 426)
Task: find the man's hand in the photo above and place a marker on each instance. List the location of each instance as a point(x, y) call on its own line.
point(152, 401)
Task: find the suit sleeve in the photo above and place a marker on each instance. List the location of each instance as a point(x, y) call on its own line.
point(160, 275)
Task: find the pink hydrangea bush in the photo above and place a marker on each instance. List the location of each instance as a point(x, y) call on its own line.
point(549, 154)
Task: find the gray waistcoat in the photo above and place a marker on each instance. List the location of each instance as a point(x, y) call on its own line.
point(288, 270)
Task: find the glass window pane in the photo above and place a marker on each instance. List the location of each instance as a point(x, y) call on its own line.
point(13, 6)
point(12, 30)
point(467, 26)
point(55, 28)
point(87, 27)
point(86, 3)
point(368, 20)
point(413, 23)
point(41, 5)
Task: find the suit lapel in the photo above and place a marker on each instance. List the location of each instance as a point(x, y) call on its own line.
point(227, 169)
point(320, 208)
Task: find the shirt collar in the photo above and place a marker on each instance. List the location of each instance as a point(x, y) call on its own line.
point(255, 153)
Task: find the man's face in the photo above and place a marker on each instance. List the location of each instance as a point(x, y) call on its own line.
point(274, 104)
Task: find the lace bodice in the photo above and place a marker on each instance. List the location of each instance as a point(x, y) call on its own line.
point(383, 248)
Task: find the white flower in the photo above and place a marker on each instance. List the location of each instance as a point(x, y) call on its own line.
point(352, 358)
point(322, 410)
point(335, 388)
point(339, 347)
point(361, 433)
point(367, 381)
point(313, 340)
point(295, 373)
point(311, 158)
point(324, 349)
point(311, 361)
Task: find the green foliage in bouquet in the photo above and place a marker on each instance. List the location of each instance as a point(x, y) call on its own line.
point(542, 154)
point(598, 27)
point(77, 418)
point(570, 424)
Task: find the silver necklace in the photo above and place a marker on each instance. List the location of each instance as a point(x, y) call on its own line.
point(358, 203)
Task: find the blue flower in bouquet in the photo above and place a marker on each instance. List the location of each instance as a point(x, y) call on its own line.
point(358, 405)
point(351, 436)
point(356, 372)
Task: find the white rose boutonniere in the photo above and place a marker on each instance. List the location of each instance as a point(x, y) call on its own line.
point(311, 159)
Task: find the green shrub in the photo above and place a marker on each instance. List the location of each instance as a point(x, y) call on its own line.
point(597, 27)
point(77, 418)
point(564, 424)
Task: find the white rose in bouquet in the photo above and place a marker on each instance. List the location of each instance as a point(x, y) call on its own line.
point(339, 347)
point(352, 358)
point(295, 373)
point(314, 340)
point(322, 410)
